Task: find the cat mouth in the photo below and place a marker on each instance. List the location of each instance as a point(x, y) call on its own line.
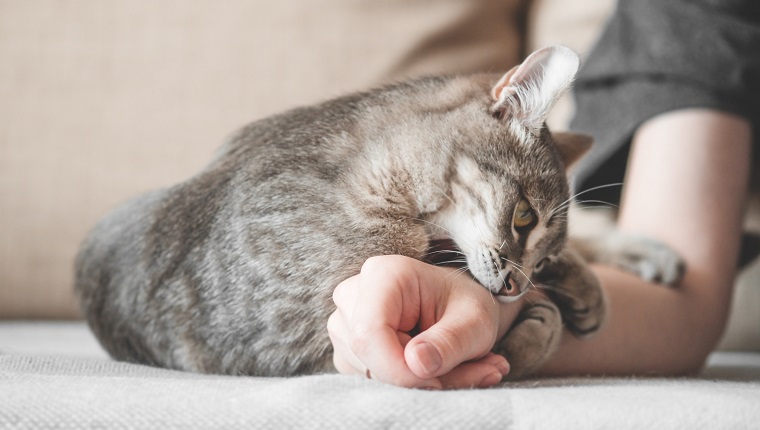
point(445, 252)
point(510, 288)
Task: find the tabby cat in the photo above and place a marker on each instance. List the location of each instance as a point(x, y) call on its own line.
point(232, 271)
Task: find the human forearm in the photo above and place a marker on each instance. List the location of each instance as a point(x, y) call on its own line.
point(685, 187)
point(651, 330)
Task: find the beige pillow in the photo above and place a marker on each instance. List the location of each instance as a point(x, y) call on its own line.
point(100, 101)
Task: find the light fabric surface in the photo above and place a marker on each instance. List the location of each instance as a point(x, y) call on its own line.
point(53, 375)
point(44, 392)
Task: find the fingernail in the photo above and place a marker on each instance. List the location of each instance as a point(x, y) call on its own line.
point(490, 380)
point(428, 357)
point(431, 387)
point(503, 368)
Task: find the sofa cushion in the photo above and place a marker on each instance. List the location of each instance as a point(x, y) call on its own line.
point(100, 101)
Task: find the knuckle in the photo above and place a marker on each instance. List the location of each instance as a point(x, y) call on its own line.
point(452, 342)
point(386, 264)
point(360, 340)
point(373, 264)
point(339, 293)
point(332, 324)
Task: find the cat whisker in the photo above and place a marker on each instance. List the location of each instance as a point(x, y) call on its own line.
point(446, 195)
point(567, 202)
point(456, 273)
point(527, 277)
point(444, 251)
point(431, 223)
point(450, 262)
point(511, 262)
point(600, 203)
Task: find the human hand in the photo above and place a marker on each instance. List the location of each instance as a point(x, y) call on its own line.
point(457, 319)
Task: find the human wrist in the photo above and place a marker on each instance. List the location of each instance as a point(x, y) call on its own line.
point(508, 313)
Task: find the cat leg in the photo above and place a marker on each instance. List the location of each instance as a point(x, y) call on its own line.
point(531, 340)
point(577, 301)
point(644, 257)
point(569, 282)
point(594, 235)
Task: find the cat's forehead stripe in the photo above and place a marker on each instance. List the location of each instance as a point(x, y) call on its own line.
point(535, 236)
point(476, 195)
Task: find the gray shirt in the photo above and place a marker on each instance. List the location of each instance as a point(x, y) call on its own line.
point(656, 56)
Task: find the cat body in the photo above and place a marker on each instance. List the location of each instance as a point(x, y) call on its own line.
point(232, 271)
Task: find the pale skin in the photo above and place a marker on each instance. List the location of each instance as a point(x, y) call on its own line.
point(685, 186)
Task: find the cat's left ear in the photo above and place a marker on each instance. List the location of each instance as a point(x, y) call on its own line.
point(529, 91)
point(571, 146)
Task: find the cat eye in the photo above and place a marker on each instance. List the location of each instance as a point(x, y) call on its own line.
point(523, 215)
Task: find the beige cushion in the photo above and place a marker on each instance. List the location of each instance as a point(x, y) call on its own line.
point(100, 101)
point(574, 24)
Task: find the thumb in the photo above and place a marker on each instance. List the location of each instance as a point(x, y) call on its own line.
point(467, 330)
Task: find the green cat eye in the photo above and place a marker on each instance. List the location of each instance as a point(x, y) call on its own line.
point(523, 214)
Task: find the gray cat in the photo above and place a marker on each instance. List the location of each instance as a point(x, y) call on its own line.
point(232, 271)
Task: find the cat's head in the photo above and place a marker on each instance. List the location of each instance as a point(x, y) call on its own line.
point(508, 190)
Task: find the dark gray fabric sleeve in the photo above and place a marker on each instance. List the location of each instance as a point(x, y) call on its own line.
point(656, 56)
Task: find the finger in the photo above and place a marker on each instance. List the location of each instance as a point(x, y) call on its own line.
point(344, 295)
point(467, 330)
point(403, 338)
point(342, 365)
point(483, 373)
point(387, 303)
point(344, 359)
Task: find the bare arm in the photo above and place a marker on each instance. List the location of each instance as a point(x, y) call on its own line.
point(685, 186)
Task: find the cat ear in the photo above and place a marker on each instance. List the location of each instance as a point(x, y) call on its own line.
point(529, 91)
point(571, 146)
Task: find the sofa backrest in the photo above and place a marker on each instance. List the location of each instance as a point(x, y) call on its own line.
point(100, 101)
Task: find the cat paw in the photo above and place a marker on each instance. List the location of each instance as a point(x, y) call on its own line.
point(648, 259)
point(575, 289)
point(532, 339)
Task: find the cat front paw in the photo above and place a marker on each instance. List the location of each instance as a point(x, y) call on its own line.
point(531, 340)
point(569, 282)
